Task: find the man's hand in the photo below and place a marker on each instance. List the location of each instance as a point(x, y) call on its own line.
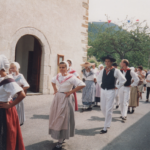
point(116, 88)
point(5, 105)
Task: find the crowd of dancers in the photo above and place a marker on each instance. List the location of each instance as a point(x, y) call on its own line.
point(105, 85)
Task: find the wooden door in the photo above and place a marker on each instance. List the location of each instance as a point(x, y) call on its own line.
point(34, 67)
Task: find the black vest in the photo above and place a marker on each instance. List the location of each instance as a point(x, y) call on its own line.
point(128, 77)
point(108, 81)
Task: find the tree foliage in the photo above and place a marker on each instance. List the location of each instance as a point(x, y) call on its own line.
point(126, 41)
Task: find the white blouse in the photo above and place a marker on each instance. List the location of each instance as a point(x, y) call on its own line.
point(75, 73)
point(67, 85)
point(21, 80)
point(7, 91)
point(89, 78)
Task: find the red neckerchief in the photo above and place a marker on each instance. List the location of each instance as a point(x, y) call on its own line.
point(72, 71)
point(125, 70)
point(70, 76)
point(107, 70)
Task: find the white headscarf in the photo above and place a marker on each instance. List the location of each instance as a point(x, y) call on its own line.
point(66, 64)
point(17, 65)
point(70, 61)
point(4, 63)
point(101, 65)
point(132, 68)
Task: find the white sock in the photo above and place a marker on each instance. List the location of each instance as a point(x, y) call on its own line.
point(104, 128)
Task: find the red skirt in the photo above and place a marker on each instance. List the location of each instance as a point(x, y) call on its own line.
point(14, 140)
point(76, 102)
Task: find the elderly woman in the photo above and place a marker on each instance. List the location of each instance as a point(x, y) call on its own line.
point(98, 88)
point(88, 95)
point(21, 81)
point(61, 120)
point(10, 132)
point(72, 71)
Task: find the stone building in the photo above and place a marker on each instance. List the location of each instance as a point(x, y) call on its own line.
point(40, 33)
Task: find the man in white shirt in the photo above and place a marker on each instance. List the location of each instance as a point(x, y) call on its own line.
point(124, 92)
point(107, 80)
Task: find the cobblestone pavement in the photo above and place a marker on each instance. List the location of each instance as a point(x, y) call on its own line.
point(132, 135)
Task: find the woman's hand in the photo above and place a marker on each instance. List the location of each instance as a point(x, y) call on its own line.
point(55, 91)
point(5, 105)
point(68, 94)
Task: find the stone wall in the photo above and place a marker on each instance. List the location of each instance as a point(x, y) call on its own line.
point(60, 26)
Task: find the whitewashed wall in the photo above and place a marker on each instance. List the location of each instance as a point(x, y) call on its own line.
point(60, 25)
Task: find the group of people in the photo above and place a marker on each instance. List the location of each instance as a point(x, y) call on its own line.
point(103, 84)
point(13, 87)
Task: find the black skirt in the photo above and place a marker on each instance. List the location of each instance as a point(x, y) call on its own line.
point(3, 129)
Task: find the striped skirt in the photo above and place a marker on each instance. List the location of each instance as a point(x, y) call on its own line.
point(88, 94)
point(10, 132)
point(61, 119)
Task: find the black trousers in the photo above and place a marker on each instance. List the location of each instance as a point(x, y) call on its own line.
point(147, 93)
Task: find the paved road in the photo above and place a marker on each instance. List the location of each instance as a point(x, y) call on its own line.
point(132, 135)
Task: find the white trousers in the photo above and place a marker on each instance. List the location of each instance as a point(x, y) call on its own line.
point(107, 103)
point(117, 97)
point(124, 96)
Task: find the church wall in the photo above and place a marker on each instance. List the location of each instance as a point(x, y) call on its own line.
point(62, 25)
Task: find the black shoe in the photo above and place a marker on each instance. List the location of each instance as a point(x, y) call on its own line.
point(21, 124)
point(96, 106)
point(82, 110)
point(58, 146)
point(129, 112)
point(103, 131)
point(147, 101)
point(117, 106)
point(132, 111)
point(89, 109)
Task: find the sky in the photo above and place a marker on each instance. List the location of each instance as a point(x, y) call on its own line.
point(137, 9)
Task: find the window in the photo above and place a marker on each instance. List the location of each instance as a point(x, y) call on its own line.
point(60, 58)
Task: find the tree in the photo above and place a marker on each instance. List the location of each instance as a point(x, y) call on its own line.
point(128, 40)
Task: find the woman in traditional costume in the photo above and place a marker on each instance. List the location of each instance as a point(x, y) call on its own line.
point(98, 88)
point(134, 97)
point(88, 94)
point(10, 132)
point(21, 81)
point(61, 120)
point(72, 71)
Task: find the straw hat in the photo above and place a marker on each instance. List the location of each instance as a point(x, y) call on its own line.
point(87, 64)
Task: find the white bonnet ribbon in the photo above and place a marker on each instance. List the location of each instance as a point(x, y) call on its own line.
point(4, 63)
point(17, 65)
point(66, 64)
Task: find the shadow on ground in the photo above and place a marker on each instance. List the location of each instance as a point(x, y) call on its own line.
point(40, 117)
point(88, 132)
point(136, 137)
point(96, 118)
point(44, 145)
